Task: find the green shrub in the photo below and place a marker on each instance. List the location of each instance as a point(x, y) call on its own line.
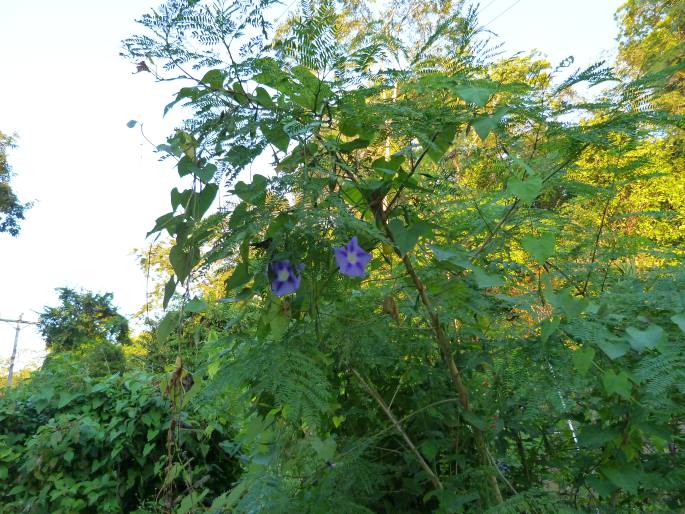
point(71, 444)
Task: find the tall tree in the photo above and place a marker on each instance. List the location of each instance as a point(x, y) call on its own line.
point(652, 41)
point(652, 35)
point(82, 317)
point(11, 210)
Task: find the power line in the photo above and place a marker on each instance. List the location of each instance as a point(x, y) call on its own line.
point(502, 13)
point(285, 11)
point(19, 321)
point(487, 5)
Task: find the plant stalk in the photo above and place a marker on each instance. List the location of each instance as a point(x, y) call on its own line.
point(444, 344)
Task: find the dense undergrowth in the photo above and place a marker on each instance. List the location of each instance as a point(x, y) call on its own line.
point(505, 334)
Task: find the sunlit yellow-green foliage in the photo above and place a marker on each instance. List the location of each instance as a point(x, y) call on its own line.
point(652, 33)
point(652, 38)
point(17, 376)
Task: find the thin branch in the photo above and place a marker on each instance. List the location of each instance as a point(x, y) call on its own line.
point(414, 167)
point(594, 248)
point(517, 202)
point(374, 394)
point(499, 471)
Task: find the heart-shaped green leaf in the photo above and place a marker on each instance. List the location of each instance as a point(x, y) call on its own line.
point(645, 339)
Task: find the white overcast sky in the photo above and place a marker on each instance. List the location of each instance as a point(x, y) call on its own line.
point(97, 185)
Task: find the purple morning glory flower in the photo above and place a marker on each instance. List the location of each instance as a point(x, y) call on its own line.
point(352, 259)
point(285, 280)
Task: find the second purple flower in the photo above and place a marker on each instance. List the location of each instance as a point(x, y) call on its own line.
point(352, 259)
point(285, 279)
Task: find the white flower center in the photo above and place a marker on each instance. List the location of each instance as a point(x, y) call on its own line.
point(283, 275)
point(352, 258)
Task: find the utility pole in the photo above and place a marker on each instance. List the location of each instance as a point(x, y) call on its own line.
point(18, 327)
point(14, 351)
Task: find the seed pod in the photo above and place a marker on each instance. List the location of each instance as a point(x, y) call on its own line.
point(390, 307)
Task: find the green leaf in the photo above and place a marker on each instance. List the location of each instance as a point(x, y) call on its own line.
point(203, 201)
point(438, 143)
point(280, 224)
point(596, 436)
point(429, 448)
point(388, 167)
point(355, 144)
point(214, 79)
point(167, 325)
point(275, 135)
point(182, 261)
point(486, 124)
point(476, 93)
point(226, 501)
point(240, 156)
point(679, 319)
point(185, 92)
point(213, 368)
point(278, 325)
point(548, 327)
point(405, 238)
point(526, 190)
point(485, 280)
point(568, 304)
point(604, 488)
point(648, 338)
point(182, 199)
point(239, 216)
point(183, 142)
point(539, 248)
point(131, 123)
point(3, 472)
point(169, 289)
point(148, 448)
point(206, 173)
point(166, 221)
point(240, 276)
point(442, 254)
point(314, 91)
point(614, 350)
point(65, 398)
point(240, 96)
point(196, 305)
point(617, 383)
point(263, 98)
point(582, 359)
point(324, 449)
point(474, 420)
point(351, 126)
point(186, 166)
point(253, 193)
point(626, 477)
point(456, 257)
